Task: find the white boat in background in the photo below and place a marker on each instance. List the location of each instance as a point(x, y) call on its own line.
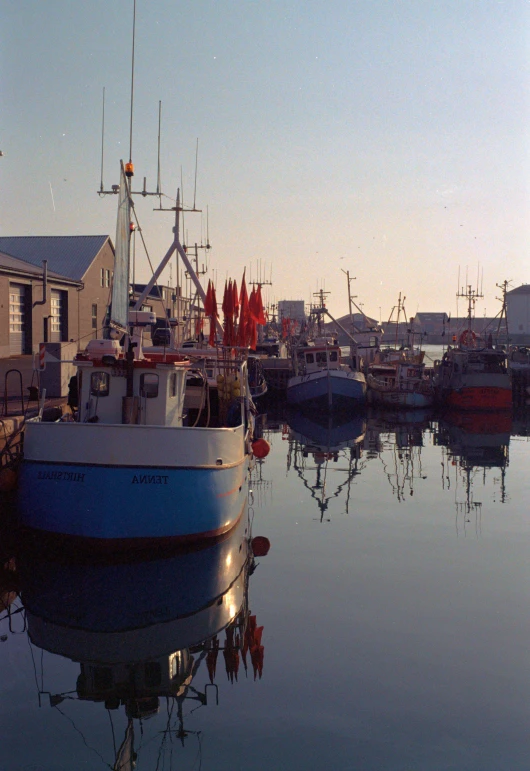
point(130, 469)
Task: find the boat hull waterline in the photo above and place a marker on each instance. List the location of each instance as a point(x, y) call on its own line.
point(397, 398)
point(480, 398)
point(184, 495)
point(334, 389)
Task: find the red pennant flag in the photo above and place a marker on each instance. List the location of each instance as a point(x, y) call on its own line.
point(262, 319)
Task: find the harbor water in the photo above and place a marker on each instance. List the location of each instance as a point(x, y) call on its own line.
point(392, 606)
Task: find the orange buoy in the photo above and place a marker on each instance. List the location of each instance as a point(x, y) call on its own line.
point(8, 480)
point(261, 448)
point(260, 546)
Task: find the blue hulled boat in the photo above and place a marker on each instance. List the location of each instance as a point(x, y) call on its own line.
point(322, 380)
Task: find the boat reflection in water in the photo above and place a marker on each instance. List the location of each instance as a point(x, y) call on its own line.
point(335, 449)
point(397, 441)
point(476, 444)
point(141, 630)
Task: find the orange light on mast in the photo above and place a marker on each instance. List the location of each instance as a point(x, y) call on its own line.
point(129, 169)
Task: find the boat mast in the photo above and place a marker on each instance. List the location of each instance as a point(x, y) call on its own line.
point(503, 312)
point(471, 295)
point(350, 303)
point(319, 312)
point(400, 310)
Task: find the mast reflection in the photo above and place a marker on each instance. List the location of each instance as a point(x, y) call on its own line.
point(476, 447)
point(326, 455)
point(397, 440)
point(141, 630)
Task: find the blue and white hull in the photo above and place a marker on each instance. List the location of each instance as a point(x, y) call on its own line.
point(122, 484)
point(331, 389)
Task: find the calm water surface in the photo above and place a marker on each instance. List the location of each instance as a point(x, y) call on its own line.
point(394, 603)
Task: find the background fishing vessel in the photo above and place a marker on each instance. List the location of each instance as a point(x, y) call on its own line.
point(473, 374)
point(321, 378)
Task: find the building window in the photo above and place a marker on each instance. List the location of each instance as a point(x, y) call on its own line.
point(107, 278)
point(94, 316)
point(102, 276)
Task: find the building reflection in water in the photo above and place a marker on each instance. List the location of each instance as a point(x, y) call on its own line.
point(475, 447)
point(326, 455)
point(141, 630)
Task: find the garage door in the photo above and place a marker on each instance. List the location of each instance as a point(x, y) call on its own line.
point(17, 319)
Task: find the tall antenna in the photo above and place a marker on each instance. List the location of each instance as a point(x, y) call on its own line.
point(132, 81)
point(129, 167)
point(101, 186)
point(158, 181)
point(196, 160)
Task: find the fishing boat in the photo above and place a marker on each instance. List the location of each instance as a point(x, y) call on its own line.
point(130, 468)
point(473, 374)
point(397, 376)
point(400, 381)
point(321, 378)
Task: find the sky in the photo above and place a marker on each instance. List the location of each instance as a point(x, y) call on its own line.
point(387, 138)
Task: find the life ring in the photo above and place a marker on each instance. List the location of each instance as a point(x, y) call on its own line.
point(468, 339)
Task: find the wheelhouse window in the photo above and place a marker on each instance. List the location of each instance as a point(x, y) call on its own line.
point(321, 357)
point(333, 356)
point(149, 385)
point(99, 383)
point(310, 359)
point(173, 384)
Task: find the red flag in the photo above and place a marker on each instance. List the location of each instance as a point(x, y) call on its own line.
point(262, 319)
point(235, 299)
point(243, 315)
point(252, 330)
point(214, 312)
point(208, 300)
point(228, 304)
point(213, 315)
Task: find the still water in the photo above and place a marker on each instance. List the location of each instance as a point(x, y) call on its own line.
point(389, 622)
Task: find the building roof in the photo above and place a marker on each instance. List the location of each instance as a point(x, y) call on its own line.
point(69, 256)
point(19, 266)
point(361, 321)
point(431, 316)
point(523, 289)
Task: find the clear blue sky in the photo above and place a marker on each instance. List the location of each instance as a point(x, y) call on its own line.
point(387, 138)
